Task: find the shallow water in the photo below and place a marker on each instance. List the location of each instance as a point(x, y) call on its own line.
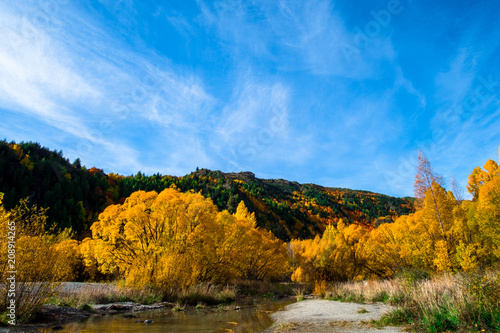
point(247, 320)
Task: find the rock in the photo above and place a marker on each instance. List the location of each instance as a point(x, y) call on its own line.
point(119, 307)
point(129, 316)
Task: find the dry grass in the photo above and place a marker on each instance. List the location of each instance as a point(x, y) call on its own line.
point(29, 299)
point(453, 302)
point(366, 291)
point(208, 294)
point(81, 295)
point(299, 294)
point(447, 302)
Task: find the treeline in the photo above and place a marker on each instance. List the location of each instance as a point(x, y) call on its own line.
point(445, 234)
point(75, 195)
point(176, 238)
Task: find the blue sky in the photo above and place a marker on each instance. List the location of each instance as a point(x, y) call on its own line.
point(337, 93)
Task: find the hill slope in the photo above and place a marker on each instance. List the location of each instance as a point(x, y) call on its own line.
point(76, 195)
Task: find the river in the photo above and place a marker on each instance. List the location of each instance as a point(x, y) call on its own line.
point(247, 320)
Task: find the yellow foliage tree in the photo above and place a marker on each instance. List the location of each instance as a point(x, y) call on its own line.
point(69, 259)
point(338, 255)
point(133, 237)
point(479, 177)
point(350, 254)
point(37, 262)
point(176, 239)
point(484, 211)
point(422, 240)
point(262, 255)
point(384, 251)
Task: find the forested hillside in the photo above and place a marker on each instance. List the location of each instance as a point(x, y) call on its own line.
point(76, 195)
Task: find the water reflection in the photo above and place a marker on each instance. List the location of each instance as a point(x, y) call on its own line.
point(247, 320)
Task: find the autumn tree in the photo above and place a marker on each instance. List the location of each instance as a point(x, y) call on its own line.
point(445, 233)
point(457, 190)
point(175, 239)
point(385, 250)
point(350, 256)
point(338, 255)
point(479, 177)
point(132, 238)
point(425, 184)
point(38, 263)
point(484, 212)
point(263, 255)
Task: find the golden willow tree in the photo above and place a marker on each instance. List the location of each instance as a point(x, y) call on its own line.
point(174, 239)
point(336, 256)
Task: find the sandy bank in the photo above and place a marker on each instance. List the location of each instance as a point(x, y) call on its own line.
point(329, 316)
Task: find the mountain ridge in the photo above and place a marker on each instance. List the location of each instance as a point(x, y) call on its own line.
point(75, 195)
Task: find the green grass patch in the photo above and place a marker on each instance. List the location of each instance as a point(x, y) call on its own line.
point(382, 296)
point(397, 317)
point(439, 320)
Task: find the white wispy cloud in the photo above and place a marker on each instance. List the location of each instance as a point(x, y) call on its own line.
point(253, 120)
point(464, 126)
point(454, 82)
point(33, 77)
point(297, 36)
point(72, 73)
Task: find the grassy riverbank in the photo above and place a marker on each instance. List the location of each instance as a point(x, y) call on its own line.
point(458, 302)
point(83, 296)
point(78, 295)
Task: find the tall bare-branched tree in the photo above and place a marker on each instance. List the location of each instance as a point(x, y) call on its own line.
point(425, 182)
